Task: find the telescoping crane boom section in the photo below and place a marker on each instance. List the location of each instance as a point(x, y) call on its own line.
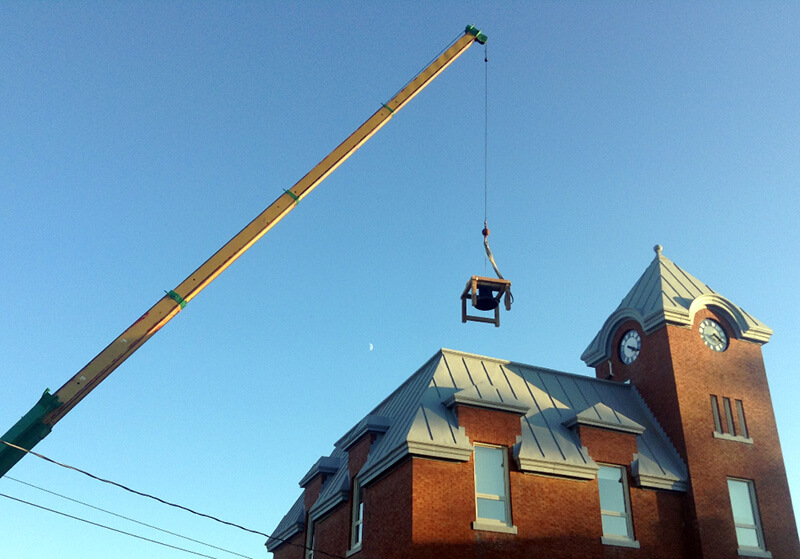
point(38, 422)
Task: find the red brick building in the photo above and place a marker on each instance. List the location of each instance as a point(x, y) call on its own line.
point(671, 451)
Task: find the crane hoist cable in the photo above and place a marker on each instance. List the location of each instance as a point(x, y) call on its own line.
point(485, 232)
point(485, 293)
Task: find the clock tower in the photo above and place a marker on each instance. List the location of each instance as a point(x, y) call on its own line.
point(695, 358)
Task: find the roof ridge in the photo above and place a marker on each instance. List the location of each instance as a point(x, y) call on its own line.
point(459, 353)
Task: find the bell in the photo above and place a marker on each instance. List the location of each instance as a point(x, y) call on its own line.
point(484, 294)
point(485, 300)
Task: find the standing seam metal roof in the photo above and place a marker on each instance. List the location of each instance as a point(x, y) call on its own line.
point(416, 420)
point(666, 294)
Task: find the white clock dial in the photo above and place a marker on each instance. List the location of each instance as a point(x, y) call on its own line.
point(630, 346)
point(713, 335)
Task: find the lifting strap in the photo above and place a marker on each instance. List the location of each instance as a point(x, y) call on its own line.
point(490, 256)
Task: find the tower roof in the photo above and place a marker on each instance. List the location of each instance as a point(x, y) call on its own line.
point(666, 294)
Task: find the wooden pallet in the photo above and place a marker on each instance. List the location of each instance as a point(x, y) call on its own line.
point(501, 287)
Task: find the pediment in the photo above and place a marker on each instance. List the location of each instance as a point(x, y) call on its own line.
point(488, 396)
point(603, 417)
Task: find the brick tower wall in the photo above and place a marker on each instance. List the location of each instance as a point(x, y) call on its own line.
point(676, 375)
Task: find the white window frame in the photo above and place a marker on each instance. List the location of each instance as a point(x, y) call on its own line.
point(749, 551)
point(356, 518)
point(615, 539)
point(492, 524)
point(311, 537)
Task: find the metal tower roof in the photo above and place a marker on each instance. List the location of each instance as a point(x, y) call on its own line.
point(666, 294)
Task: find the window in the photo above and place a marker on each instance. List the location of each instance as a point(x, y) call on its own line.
point(715, 413)
point(727, 429)
point(357, 518)
point(740, 415)
point(726, 403)
point(491, 490)
point(615, 508)
point(310, 539)
point(746, 518)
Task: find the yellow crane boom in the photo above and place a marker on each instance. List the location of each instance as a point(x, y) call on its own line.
point(38, 422)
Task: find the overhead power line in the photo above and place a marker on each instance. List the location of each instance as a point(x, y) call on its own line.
point(107, 527)
point(127, 518)
point(135, 492)
point(158, 499)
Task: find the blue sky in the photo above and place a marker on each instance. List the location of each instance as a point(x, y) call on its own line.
point(136, 138)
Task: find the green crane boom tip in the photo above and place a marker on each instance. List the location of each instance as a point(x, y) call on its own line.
point(479, 37)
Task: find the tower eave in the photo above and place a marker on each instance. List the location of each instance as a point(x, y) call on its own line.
point(666, 294)
point(599, 349)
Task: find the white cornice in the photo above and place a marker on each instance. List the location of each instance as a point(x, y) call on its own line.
point(590, 417)
point(444, 452)
point(466, 398)
point(561, 469)
point(652, 481)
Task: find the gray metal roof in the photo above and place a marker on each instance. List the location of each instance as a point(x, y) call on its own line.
point(417, 420)
point(293, 523)
point(666, 294)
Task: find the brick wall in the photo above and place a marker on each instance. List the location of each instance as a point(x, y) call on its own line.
point(677, 374)
point(610, 447)
point(333, 533)
point(424, 508)
point(388, 503)
point(357, 453)
point(311, 490)
point(489, 426)
point(651, 373)
point(555, 517)
point(293, 549)
point(737, 373)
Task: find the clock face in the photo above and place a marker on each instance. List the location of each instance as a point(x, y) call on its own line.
point(630, 346)
point(713, 335)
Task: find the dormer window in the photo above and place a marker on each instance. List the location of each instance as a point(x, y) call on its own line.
point(615, 506)
point(493, 511)
point(357, 518)
point(310, 540)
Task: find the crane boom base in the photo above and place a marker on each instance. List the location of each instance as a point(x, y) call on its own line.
point(27, 432)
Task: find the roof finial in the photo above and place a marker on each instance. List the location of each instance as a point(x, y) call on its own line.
point(658, 249)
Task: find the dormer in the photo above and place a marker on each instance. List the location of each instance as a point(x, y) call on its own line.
point(488, 413)
point(316, 477)
point(358, 441)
